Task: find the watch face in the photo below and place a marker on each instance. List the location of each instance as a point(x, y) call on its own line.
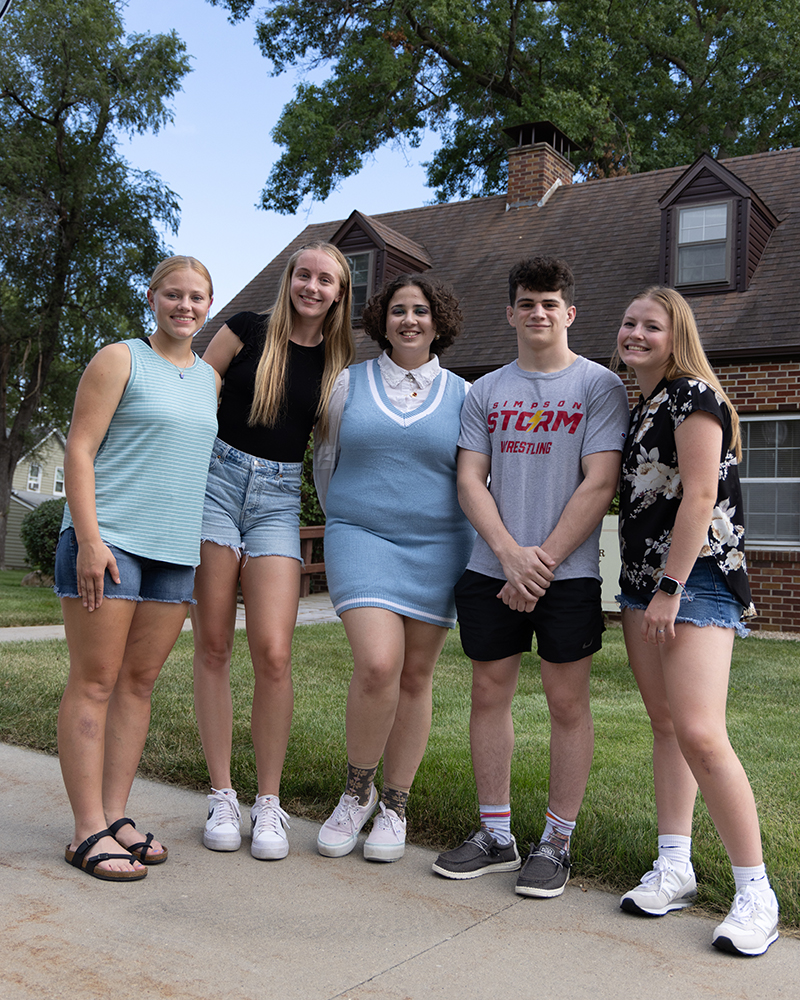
point(667, 585)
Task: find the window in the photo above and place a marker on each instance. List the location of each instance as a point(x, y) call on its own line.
point(34, 477)
point(58, 482)
point(770, 475)
point(360, 268)
point(703, 246)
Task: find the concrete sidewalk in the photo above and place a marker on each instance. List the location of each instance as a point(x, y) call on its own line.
point(210, 926)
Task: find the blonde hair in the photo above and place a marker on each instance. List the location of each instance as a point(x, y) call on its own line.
point(179, 263)
point(270, 387)
point(688, 357)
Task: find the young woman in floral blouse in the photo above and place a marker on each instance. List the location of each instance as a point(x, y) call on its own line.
point(684, 593)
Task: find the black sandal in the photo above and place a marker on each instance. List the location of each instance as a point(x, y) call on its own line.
point(78, 859)
point(140, 851)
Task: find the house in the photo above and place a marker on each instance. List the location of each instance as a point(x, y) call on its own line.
point(39, 476)
point(726, 234)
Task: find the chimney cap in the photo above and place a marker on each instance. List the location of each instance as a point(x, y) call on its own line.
point(545, 131)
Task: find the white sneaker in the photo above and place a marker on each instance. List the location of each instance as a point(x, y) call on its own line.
point(270, 824)
point(661, 890)
point(752, 924)
point(387, 839)
point(339, 833)
point(222, 826)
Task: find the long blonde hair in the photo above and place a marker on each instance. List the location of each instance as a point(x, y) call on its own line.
point(688, 357)
point(270, 387)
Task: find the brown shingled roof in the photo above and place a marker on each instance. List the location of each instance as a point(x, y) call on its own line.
point(609, 232)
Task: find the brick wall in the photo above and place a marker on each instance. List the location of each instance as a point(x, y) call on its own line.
point(770, 386)
point(532, 171)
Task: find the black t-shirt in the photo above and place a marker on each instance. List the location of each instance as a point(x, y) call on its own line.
point(286, 441)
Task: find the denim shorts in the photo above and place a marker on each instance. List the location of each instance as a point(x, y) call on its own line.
point(705, 601)
point(141, 579)
point(252, 505)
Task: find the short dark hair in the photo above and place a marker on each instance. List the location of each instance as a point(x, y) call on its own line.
point(542, 274)
point(445, 311)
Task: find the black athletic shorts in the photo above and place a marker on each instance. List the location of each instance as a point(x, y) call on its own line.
point(568, 620)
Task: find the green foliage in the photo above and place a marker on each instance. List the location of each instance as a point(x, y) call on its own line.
point(39, 530)
point(79, 228)
point(637, 86)
point(310, 510)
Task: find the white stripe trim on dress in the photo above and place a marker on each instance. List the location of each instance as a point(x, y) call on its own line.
point(405, 419)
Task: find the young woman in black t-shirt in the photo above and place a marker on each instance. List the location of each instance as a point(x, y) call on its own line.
point(279, 372)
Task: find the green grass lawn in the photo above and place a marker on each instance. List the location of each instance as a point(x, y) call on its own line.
point(21, 606)
point(616, 836)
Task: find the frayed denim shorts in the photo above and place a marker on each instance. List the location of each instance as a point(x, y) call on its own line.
point(252, 505)
point(705, 601)
point(141, 579)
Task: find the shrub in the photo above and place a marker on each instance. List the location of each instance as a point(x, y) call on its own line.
point(39, 532)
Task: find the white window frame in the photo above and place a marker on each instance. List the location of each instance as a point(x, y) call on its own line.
point(752, 540)
point(350, 258)
point(58, 479)
point(35, 480)
point(726, 280)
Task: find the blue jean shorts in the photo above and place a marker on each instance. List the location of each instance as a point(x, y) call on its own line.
point(705, 601)
point(141, 579)
point(252, 505)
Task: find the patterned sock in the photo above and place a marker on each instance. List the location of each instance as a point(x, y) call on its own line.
point(557, 831)
point(497, 820)
point(394, 797)
point(677, 850)
point(755, 877)
point(360, 779)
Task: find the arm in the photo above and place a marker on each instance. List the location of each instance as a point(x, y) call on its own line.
point(698, 441)
point(224, 347)
point(98, 396)
point(326, 451)
point(528, 570)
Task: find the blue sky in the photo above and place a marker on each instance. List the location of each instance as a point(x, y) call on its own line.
point(217, 154)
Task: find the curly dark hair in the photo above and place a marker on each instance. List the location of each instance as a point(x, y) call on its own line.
point(445, 312)
point(542, 274)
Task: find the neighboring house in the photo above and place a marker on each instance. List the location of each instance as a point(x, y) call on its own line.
point(726, 234)
point(39, 476)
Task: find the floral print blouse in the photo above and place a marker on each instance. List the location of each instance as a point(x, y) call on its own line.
point(651, 491)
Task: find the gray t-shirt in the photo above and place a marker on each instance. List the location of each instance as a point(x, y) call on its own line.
point(536, 427)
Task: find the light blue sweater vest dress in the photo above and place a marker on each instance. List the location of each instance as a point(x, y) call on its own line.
point(395, 536)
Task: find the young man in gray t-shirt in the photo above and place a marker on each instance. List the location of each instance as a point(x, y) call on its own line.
point(539, 459)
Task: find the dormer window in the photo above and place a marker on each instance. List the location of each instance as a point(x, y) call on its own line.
point(703, 252)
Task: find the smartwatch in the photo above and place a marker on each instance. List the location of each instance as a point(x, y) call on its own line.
point(670, 586)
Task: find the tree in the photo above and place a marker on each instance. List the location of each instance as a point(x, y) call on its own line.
point(636, 86)
point(78, 234)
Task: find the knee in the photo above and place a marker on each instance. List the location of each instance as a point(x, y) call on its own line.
point(212, 655)
point(416, 680)
point(490, 695)
point(272, 664)
point(569, 709)
point(376, 676)
point(701, 745)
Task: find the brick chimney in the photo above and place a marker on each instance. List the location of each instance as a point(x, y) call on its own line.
point(538, 163)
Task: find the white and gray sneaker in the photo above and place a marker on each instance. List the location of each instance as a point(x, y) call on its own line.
point(270, 824)
point(339, 833)
point(222, 826)
point(387, 838)
point(660, 891)
point(751, 925)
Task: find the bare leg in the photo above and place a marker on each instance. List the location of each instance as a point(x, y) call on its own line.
point(152, 634)
point(696, 666)
point(408, 737)
point(271, 590)
point(213, 622)
point(675, 787)
point(566, 687)
point(491, 728)
point(377, 638)
point(96, 642)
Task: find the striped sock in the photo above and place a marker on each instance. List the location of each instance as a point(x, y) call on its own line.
point(557, 831)
point(497, 820)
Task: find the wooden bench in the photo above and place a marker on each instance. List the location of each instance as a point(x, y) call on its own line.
point(307, 536)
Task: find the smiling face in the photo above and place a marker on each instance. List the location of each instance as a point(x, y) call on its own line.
point(644, 341)
point(409, 327)
point(541, 319)
point(316, 285)
point(180, 304)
